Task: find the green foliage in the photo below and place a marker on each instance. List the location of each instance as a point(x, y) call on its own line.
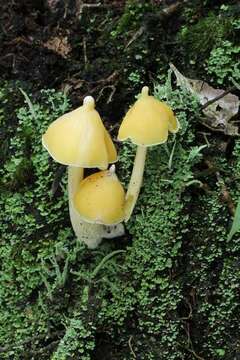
point(224, 63)
point(200, 38)
point(77, 341)
point(168, 290)
point(135, 78)
point(31, 219)
point(133, 15)
point(209, 45)
point(138, 36)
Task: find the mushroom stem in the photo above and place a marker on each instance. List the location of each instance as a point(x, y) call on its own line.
point(90, 234)
point(135, 181)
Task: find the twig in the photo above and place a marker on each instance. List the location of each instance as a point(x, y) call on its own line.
point(111, 78)
point(210, 127)
point(195, 354)
point(212, 101)
point(165, 13)
point(65, 9)
point(31, 339)
point(235, 83)
point(204, 134)
point(112, 87)
point(81, 6)
point(190, 311)
point(171, 156)
point(191, 351)
point(19, 40)
point(135, 36)
point(85, 52)
point(130, 347)
point(170, 10)
point(190, 345)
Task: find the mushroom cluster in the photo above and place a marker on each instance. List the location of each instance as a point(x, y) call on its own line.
point(97, 203)
point(79, 140)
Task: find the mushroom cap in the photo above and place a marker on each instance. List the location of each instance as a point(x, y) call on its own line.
point(100, 198)
point(79, 138)
point(148, 121)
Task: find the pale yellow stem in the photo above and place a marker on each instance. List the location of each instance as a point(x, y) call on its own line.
point(135, 181)
point(90, 234)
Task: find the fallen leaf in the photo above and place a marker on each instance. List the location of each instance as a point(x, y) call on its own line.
point(217, 114)
point(59, 44)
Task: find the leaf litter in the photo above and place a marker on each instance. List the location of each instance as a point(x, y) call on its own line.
point(217, 114)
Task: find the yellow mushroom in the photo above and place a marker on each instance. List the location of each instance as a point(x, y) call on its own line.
point(79, 139)
point(100, 198)
point(146, 123)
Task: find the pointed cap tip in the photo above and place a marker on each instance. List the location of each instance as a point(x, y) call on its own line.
point(145, 91)
point(89, 102)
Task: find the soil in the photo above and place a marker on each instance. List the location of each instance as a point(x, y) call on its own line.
point(66, 45)
point(43, 43)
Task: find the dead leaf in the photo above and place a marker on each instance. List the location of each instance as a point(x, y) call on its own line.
point(59, 44)
point(217, 114)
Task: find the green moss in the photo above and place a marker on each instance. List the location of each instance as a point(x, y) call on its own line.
point(172, 294)
point(30, 219)
point(134, 13)
point(200, 38)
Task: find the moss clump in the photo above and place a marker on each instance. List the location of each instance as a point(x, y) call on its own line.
point(200, 38)
point(31, 221)
point(133, 16)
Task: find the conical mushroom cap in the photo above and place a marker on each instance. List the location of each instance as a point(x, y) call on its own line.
point(79, 138)
point(148, 121)
point(100, 198)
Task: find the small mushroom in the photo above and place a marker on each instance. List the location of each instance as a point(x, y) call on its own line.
point(79, 139)
point(146, 123)
point(100, 198)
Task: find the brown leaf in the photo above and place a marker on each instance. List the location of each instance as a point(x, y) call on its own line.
point(59, 44)
point(220, 112)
